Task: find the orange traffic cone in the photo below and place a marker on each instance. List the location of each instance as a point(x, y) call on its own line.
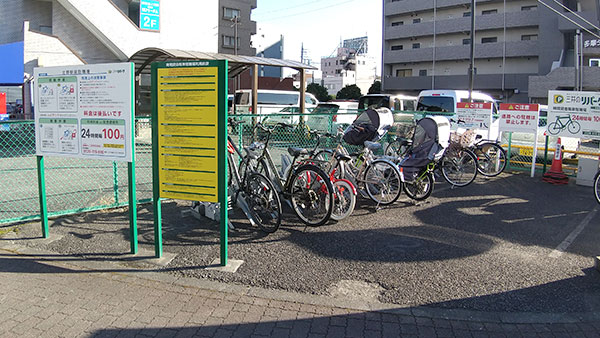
point(556, 175)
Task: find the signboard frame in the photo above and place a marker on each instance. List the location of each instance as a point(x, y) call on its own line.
point(184, 128)
point(475, 115)
point(128, 122)
point(574, 114)
point(528, 112)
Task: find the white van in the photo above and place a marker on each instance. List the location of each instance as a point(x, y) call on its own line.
point(271, 101)
point(445, 101)
point(396, 102)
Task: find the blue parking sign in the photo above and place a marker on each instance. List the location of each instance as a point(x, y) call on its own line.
point(150, 15)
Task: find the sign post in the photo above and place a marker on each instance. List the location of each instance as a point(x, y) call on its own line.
point(189, 138)
point(86, 112)
point(519, 117)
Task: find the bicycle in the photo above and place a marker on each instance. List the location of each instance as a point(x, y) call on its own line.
point(306, 187)
point(572, 126)
point(254, 193)
point(597, 186)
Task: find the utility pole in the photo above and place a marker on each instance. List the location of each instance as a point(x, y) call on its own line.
point(472, 63)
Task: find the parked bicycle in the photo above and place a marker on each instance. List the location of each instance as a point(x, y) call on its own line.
point(306, 187)
point(253, 192)
point(597, 186)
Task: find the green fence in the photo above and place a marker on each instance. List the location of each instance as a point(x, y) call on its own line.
point(74, 185)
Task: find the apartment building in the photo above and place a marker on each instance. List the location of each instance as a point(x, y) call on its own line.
point(522, 48)
point(350, 66)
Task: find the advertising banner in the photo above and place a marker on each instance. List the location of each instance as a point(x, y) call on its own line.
point(519, 117)
point(574, 114)
point(85, 111)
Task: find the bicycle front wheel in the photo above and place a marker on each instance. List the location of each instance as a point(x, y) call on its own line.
point(397, 148)
point(459, 167)
point(491, 159)
point(554, 128)
point(597, 186)
point(263, 202)
point(344, 200)
point(311, 194)
point(383, 182)
point(421, 188)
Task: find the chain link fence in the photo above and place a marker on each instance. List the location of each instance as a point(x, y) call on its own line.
point(74, 185)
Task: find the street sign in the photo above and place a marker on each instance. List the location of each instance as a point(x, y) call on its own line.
point(519, 117)
point(150, 15)
point(476, 115)
point(574, 114)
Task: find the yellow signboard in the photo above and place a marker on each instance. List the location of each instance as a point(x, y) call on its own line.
point(188, 115)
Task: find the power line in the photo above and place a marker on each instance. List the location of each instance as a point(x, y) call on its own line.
point(306, 12)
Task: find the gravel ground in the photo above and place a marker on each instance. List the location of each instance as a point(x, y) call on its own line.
point(488, 246)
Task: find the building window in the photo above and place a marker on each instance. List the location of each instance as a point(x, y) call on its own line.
point(397, 23)
point(529, 8)
point(466, 41)
point(594, 62)
point(230, 13)
point(416, 45)
point(529, 37)
point(489, 11)
point(416, 20)
point(229, 41)
point(466, 14)
point(423, 72)
point(403, 72)
point(398, 47)
point(489, 40)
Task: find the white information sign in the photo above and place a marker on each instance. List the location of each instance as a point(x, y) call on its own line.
point(475, 115)
point(84, 111)
point(519, 117)
point(574, 114)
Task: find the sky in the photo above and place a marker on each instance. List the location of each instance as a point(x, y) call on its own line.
point(320, 25)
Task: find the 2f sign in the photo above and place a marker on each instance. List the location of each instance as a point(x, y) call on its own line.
point(150, 15)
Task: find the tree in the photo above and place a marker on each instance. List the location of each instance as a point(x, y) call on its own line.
point(350, 92)
point(318, 91)
point(375, 88)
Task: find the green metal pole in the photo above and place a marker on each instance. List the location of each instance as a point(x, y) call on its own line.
point(545, 155)
point(509, 148)
point(156, 208)
point(222, 159)
point(133, 233)
point(116, 182)
point(42, 195)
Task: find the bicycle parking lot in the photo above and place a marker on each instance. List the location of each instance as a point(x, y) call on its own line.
point(496, 245)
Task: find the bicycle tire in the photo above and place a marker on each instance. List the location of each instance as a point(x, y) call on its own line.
point(303, 201)
point(263, 202)
point(459, 167)
point(597, 186)
point(576, 127)
point(381, 169)
point(491, 159)
point(421, 188)
point(397, 148)
point(344, 200)
point(554, 128)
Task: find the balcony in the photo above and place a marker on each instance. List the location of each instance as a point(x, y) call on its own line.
point(407, 6)
point(459, 25)
point(565, 25)
point(484, 82)
point(462, 52)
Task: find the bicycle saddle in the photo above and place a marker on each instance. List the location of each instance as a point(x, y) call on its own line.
point(342, 157)
point(295, 152)
point(372, 145)
point(251, 153)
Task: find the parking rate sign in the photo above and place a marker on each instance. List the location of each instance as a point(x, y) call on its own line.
point(85, 111)
point(190, 113)
point(518, 117)
point(574, 114)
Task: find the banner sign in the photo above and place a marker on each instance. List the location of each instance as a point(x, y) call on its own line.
point(574, 114)
point(475, 115)
point(85, 111)
point(519, 117)
point(191, 107)
point(150, 15)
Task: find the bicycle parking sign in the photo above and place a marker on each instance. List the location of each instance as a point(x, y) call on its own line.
point(574, 114)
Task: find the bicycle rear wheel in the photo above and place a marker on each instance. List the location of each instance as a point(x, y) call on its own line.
point(311, 194)
point(421, 188)
point(459, 167)
point(597, 186)
point(383, 182)
point(491, 159)
point(344, 200)
point(263, 202)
